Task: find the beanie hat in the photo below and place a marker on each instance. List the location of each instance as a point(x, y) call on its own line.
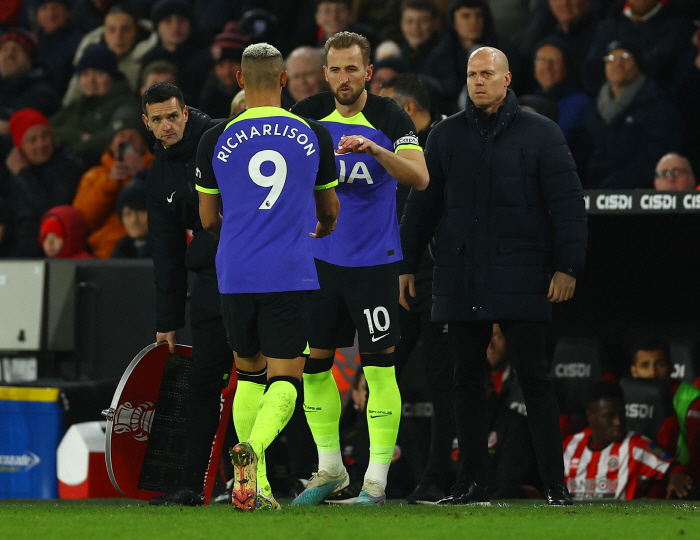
point(128, 117)
point(631, 47)
point(24, 37)
point(51, 225)
point(165, 8)
point(229, 44)
point(98, 56)
point(67, 3)
point(22, 120)
point(133, 195)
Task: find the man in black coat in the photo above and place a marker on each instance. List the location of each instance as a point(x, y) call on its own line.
point(173, 209)
point(505, 206)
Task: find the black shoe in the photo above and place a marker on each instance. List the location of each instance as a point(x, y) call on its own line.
point(467, 493)
point(425, 494)
point(558, 495)
point(181, 497)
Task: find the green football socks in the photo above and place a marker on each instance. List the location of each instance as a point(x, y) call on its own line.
point(322, 408)
point(383, 413)
point(276, 408)
point(246, 402)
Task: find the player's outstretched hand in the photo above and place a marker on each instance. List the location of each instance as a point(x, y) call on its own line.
point(406, 280)
point(170, 337)
point(356, 144)
point(322, 231)
point(680, 484)
point(561, 288)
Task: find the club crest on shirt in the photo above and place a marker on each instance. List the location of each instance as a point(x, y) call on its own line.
point(613, 463)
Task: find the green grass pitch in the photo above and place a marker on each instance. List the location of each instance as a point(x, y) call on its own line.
point(127, 519)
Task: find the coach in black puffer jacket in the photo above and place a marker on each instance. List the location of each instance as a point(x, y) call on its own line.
point(496, 198)
point(506, 209)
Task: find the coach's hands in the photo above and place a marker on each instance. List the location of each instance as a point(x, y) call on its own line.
point(322, 231)
point(357, 144)
point(170, 337)
point(406, 280)
point(561, 288)
point(680, 484)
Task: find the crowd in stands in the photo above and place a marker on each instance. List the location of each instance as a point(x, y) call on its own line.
point(620, 77)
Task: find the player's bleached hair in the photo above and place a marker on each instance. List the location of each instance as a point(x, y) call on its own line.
point(345, 40)
point(261, 66)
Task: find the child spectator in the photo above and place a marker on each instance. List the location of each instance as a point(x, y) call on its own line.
point(39, 173)
point(99, 188)
point(131, 209)
point(62, 233)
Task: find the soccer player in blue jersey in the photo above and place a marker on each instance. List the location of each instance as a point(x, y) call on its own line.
point(376, 145)
point(262, 166)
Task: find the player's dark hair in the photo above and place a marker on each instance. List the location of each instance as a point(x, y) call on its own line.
point(409, 86)
point(420, 5)
point(651, 343)
point(345, 40)
point(604, 390)
point(160, 92)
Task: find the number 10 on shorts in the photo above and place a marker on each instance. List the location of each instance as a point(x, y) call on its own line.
point(379, 319)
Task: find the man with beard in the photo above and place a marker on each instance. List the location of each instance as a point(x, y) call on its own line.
point(358, 265)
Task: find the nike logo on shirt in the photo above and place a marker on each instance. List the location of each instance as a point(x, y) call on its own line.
point(170, 199)
point(375, 339)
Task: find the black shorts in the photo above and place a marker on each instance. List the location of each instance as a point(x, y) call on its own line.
point(364, 298)
point(276, 324)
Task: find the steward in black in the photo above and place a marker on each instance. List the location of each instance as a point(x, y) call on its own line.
point(506, 209)
point(173, 209)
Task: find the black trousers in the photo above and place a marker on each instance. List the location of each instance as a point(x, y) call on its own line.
point(437, 367)
point(526, 343)
point(212, 359)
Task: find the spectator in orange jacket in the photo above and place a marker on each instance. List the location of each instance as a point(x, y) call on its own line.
point(100, 187)
point(62, 233)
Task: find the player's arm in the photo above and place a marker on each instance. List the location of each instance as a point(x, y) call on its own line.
point(327, 208)
point(209, 212)
point(406, 165)
point(327, 203)
point(206, 183)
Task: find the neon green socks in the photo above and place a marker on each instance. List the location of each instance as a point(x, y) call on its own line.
point(383, 418)
point(322, 408)
point(276, 408)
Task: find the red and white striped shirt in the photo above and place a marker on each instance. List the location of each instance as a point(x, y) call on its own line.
point(618, 471)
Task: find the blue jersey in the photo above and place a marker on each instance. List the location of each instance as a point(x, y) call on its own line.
point(367, 233)
point(265, 164)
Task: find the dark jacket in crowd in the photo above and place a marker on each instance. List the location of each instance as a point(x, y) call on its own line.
point(505, 206)
point(662, 39)
point(31, 89)
point(416, 59)
point(90, 115)
point(193, 61)
point(173, 207)
point(56, 52)
point(624, 153)
point(215, 99)
point(128, 248)
point(578, 39)
point(39, 188)
point(448, 61)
